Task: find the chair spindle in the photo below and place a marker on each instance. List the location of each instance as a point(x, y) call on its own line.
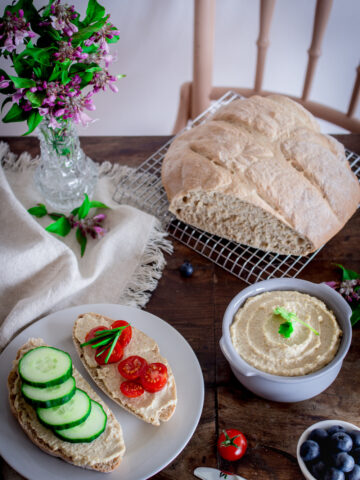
point(322, 13)
point(266, 13)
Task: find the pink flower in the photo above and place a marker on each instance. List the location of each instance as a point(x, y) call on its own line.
point(3, 82)
point(14, 29)
point(61, 18)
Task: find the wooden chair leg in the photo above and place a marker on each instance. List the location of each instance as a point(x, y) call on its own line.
point(184, 107)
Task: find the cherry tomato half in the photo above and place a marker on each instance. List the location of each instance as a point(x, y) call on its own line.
point(132, 367)
point(231, 444)
point(131, 389)
point(116, 355)
point(126, 334)
point(91, 334)
point(154, 377)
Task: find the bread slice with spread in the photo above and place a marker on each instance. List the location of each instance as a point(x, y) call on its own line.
point(151, 406)
point(102, 452)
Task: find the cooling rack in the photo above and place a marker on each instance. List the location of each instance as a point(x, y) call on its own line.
point(142, 188)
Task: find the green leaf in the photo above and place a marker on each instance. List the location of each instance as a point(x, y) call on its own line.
point(7, 100)
point(61, 227)
point(23, 82)
point(56, 216)
point(286, 329)
point(82, 240)
point(33, 121)
point(291, 317)
point(114, 39)
point(94, 12)
point(15, 114)
point(348, 274)
point(95, 204)
point(38, 211)
point(36, 98)
point(75, 211)
point(355, 317)
point(84, 207)
point(85, 33)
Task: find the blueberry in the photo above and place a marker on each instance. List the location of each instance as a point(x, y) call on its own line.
point(356, 455)
point(334, 474)
point(341, 441)
point(335, 429)
point(317, 469)
point(319, 435)
point(355, 435)
point(343, 461)
point(309, 450)
point(354, 474)
point(186, 269)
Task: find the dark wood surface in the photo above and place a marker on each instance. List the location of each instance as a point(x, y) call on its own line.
point(196, 309)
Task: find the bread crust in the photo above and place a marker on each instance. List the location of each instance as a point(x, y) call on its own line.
point(267, 153)
point(31, 426)
point(163, 413)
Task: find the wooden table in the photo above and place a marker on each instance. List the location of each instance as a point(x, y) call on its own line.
point(196, 309)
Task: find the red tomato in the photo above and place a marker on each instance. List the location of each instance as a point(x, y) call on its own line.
point(116, 355)
point(91, 334)
point(126, 334)
point(131, 389)
point(154, 377)
point(231, 444)
point(132, 367)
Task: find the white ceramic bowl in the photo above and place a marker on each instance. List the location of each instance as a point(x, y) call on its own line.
point(323, 424)
point(275, 387)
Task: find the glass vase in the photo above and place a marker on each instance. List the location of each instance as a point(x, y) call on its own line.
point(65, 173)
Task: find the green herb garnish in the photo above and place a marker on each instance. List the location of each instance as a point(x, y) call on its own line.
point(107, 338)
point(286, 328)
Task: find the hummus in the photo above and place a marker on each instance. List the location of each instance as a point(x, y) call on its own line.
point(254, 334)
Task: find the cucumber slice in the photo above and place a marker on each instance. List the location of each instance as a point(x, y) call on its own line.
point(68, 415)
point(49, 396)
point(45, 367)
point(92, 428)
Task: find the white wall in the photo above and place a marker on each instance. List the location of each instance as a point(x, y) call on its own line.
point(155, 52)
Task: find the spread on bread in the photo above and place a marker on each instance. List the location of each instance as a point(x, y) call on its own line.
point(110, 344)
point(141, 381)
point(256, 172)
point(60, 412)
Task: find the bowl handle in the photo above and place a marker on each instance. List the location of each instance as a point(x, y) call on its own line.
point(226, 354)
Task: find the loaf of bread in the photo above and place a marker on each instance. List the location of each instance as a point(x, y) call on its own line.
point(259, 172)
point(153, 408)
point(103, 454)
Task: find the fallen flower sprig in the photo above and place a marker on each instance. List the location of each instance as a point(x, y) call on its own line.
point(105, 338)
point(286, 328)
point(77, 219)
point(349, 288)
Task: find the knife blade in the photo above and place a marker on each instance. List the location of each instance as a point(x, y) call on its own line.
point(207, 473)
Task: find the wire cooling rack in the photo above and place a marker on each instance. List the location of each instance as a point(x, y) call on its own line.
point(142, 188)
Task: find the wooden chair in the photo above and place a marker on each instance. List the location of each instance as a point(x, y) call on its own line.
point(196, 96)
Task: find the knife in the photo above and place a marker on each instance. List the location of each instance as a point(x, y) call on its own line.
point(206, 473)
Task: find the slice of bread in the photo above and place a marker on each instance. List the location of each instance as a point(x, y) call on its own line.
point(153, 408)
point(103, 454)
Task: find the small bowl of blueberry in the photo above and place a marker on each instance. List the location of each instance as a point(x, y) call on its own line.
point(330, 450)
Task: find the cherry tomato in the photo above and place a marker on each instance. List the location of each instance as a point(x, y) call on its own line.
point(132, 367)
point(231, 444)
point(126, 334)
point(154, 377)
point(116, 355)
point(91, 334)
point(131, 389)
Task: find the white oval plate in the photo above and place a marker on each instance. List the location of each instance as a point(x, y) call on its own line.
point(148, 448)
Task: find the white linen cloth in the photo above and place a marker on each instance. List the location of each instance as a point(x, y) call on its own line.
point(41, 272)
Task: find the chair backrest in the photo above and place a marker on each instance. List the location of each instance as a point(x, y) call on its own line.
point(196, 96)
